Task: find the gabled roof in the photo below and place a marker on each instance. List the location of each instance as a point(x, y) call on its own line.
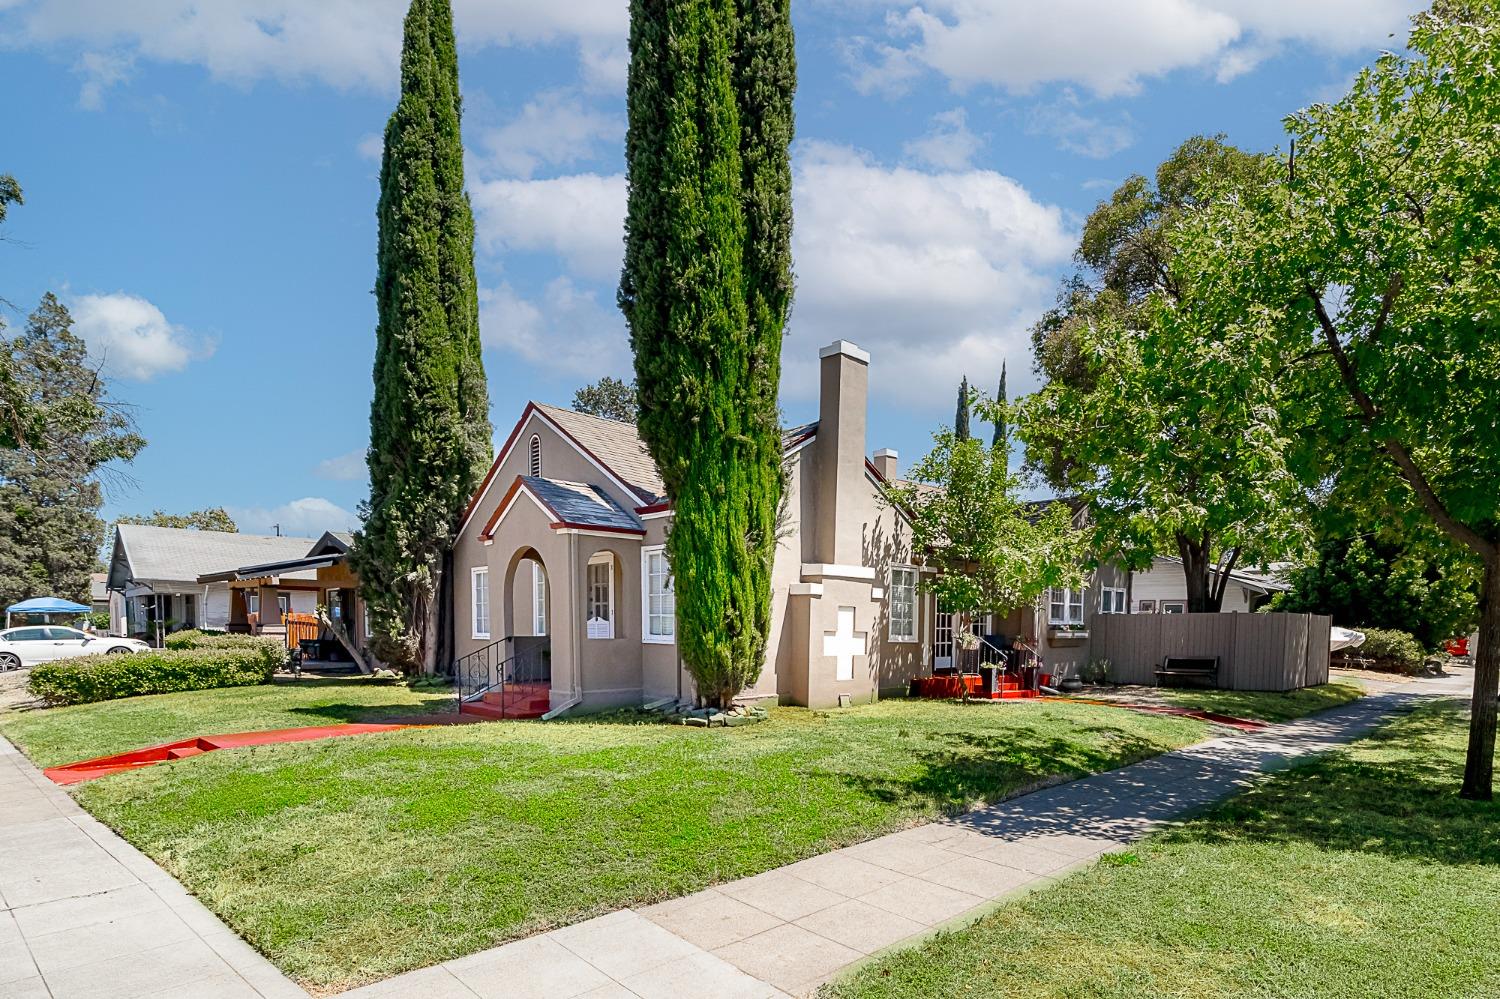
point(1261, 582)
point(329, 550)
point(177, 554)
point(616, 445)
point(570, 505)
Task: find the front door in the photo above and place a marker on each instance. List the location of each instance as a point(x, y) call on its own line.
point(942, 642)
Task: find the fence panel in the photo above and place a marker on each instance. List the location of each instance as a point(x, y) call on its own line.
point(1255, 651)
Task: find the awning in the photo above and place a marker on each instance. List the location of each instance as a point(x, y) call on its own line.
point(47, 605)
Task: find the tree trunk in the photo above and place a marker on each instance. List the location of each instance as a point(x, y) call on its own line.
point(444, 638)
point(1479, 768)
point(1195, 564)
point(427, 624)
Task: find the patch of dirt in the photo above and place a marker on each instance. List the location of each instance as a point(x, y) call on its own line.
point(13, 693)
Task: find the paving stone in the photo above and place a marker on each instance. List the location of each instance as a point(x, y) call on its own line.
point(25, 988)
point(782, 895)
point(535, 968)
point(789, 957)
point(141, 973)
point(699, 975)
point(861, 926)
point(922, 901)
point(623, 943)
point(429, 983)
point(54, 952)
point(977, 877)
point(838, 872)
point(710, 919)
point(15, 958)
point(74, 913)
point(901, 856)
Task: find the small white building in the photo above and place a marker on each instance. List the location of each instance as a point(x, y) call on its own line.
point(1162, 589)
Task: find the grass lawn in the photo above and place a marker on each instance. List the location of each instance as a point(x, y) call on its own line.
point(1265, 705)
point(1359, 875)
point(54, 736)
point(349, 860)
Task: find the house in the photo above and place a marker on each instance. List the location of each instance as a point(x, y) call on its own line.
point(153, 578)
point(1163, 590)
point(99, 592)
point(312, 595)
point(562, 583)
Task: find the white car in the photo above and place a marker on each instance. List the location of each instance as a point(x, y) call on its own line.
point(41, 643)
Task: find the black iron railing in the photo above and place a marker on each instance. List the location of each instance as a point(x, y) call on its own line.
point(510, 660)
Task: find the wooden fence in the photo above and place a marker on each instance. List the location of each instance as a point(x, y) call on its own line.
point(300, 626)
point(1256, 651)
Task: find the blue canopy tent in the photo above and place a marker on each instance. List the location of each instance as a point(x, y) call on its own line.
point(45, 606)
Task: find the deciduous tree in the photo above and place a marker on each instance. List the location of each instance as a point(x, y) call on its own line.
point(430, 435)
point(214, 518)
point(608, 398)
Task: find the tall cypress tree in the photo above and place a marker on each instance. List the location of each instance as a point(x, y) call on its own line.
point(429, 421)
point(705, 289)
point(961, 412)
point(1002, 420)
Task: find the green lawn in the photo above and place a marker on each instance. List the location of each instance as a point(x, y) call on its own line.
point(1264, 705)
point(1359, 875)
point(54, 736)
point(353, 859)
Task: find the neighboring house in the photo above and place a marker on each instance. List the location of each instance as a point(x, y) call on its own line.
point(1162, 589)
point(154, 572)
point(99, 591)
point(265, 597)
point(560, 561)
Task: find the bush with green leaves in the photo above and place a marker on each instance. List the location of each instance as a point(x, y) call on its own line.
point(155, 671)
point(1392, 649)
point(195, 638)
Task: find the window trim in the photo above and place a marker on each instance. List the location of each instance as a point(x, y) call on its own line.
point(1180, 605)
point(474, 575)
point(536, 456)
point(606, 559)
point(1067, 603)
point(891, 634)
point(538, 598)
point(1120, 602)
point(648, 637)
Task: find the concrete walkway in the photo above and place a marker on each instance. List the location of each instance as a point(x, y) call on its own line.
point(785, 932)
point(85, 915)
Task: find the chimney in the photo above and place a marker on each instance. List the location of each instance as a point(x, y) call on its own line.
point(845, 376)
point(885, 463)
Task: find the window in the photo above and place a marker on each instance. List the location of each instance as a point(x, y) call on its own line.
point(1111, 600)
point(538, 599)
point(536, 456)
point(599, 596)
point(1173, 607)
point(284, 604)
point(252, 601)
point(1064, 606)
point(659, 611)
point(479, 605)
point(903, 604)
point(1145, 607)
point(189, 616)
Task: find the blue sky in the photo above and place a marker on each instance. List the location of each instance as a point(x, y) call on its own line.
point(200, 186)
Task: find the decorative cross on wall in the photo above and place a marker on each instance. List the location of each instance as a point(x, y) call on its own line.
point(845, 643)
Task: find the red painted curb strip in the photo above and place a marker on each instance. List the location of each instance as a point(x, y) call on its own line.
point(76, 773)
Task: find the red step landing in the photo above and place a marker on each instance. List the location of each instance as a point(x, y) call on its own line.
point(516, 701)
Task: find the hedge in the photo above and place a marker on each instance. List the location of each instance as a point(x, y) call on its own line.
point(193, 638)
point(155, 671)
point(1392, 649)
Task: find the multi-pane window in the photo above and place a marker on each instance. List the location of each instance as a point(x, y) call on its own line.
point(599, 600)
point(903, 605)
point(538, 599)
point(480, 602)
point(660, 624)
point(1064, 606)
point(1111, 600)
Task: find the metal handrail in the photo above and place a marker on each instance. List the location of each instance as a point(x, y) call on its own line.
point(480, 670)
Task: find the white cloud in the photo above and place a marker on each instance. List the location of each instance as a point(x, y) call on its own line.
point(307, 517)
point(567, 330)
point(1095, 137)
point(349, 467)
point(555, 128)
point(371, 146)
point(936, 274)
point(345, 43)
point(580, 218)
point(132, 337)
point(100, 72)
point(948, 145)
point(1106, 46)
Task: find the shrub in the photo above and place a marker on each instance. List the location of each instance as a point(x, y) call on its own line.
point(155, 671)
point(193, 638)
point(1392, 649)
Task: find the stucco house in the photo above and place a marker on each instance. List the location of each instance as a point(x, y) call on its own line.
point(562, 584)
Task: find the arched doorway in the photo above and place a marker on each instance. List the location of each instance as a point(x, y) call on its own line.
point(527, 614)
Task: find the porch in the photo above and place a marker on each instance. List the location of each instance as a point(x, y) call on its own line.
point(509, 678)
point(988, 657)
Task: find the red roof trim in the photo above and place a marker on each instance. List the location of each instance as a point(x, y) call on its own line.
point(502, 506)
point(559, 525)
point(661, 507)
point(494, 468)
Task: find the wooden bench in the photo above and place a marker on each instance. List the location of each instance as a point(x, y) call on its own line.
point(1188, 668)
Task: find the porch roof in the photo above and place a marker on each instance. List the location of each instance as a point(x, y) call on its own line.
point(571, 505)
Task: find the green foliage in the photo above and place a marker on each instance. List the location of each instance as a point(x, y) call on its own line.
point(961, 411)
point(50, 531)
point(608, 398)
point(214, 518)
point(992, 552)
point(156, 671)
point(1392, 648)
point(1002, 416)
point(99, 620)
point(1144, 415)
point(194, 638)
point(705, 290)
point(429, 420)
point(1362, 583)
point(1367, 277)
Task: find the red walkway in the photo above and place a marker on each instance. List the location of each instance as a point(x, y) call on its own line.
point(75, 773)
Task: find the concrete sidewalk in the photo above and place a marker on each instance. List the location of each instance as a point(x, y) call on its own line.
point(85, 915)
point(785, 932)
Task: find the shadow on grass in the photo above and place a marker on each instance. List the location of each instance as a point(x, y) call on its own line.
point(1264, 705)
point(1394, 795)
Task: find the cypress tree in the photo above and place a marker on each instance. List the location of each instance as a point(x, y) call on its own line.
point(430, 436)
point(1002, 421)
point(961, 414)
point(705, 290)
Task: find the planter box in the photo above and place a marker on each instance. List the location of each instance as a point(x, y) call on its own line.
point(1063, 636)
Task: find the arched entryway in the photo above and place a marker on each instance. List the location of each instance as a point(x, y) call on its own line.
point(526, 613)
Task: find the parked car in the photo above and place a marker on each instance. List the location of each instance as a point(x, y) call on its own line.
point(39, 643)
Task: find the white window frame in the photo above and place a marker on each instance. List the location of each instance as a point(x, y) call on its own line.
point(895, 590)
point(250, 595)
point(1071, 599)
point(1112, 600)
point(474, 576)
point(536, 456)
point(538, 599)
point(650, 636)
point(607, 560)
point(1174, 607)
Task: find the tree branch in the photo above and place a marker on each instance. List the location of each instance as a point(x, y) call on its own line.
point(1369, 413)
